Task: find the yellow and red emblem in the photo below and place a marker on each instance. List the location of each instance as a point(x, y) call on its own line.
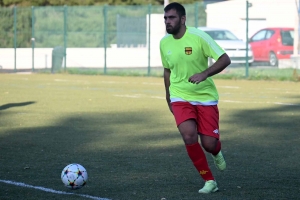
point(203, 172)
point(188, 50)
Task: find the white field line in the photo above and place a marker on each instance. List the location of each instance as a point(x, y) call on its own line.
point(231, 101)
point(286, 104)
point(114, 82)
point(276, 89)
point(257, 102)
point(61, 80)
point(50, 190)
point(129, 96)
point(231, 87)
point(156, 97)
point(147, 83)
point(138, 96)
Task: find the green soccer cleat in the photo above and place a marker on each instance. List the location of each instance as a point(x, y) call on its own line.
point(219, 161)
point(209, 187)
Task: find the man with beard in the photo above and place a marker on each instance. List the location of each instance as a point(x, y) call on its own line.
point(191, 94)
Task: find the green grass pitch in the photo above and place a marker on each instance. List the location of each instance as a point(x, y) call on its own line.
point(121, 131)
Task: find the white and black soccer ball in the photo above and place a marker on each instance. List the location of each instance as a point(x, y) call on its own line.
point(74, 176)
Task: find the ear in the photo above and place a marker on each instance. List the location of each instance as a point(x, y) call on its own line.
point(183, 19)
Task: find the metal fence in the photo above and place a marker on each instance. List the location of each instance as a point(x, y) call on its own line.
point(99, 37)
point(113, 38)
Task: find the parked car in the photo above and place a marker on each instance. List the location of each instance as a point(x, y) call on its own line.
point(272, 44)
point(233, 46)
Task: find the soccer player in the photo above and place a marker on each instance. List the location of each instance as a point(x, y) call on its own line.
point(191, 94)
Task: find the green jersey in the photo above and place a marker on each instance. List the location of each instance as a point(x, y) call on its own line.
point(185, 57)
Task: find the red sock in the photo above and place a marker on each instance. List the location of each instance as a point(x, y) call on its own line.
point(218, 148)
point(198, 158)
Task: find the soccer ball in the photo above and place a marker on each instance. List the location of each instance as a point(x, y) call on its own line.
point(74, 176)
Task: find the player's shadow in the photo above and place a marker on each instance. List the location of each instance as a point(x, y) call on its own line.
point(10, 105)
point(261, 149)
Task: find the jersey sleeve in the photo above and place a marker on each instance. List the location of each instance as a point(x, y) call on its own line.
point(163, 58)
point(210, 47)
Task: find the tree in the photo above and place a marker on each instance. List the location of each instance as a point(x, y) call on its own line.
point(8, 3)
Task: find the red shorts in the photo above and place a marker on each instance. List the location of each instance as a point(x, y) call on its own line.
point(207, 117)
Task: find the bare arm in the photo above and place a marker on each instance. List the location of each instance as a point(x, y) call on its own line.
point(167, 74)
point(216, 68)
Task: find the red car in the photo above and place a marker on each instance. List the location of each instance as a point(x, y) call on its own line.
point(272, 44)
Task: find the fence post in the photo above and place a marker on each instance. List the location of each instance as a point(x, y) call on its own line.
point(65, 36)
point(105, 34)
point(32, 36)
point(196, 14)
point(15, 38)
point(248, 5)
point(149, 36)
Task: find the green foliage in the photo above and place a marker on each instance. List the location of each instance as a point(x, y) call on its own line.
point(87, 2)
point(22, 26)
point(83, 26)
point(80, 26)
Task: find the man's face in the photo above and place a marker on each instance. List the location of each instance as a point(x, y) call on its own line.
point(173, 22)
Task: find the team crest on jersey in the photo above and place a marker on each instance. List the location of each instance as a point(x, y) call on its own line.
point(188, 50)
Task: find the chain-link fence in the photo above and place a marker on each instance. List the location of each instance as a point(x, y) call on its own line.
point(85, 37)
point(109, 39)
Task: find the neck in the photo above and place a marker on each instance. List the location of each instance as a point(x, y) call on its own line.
point(180, 33)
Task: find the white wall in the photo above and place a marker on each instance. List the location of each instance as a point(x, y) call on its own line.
point(158, 31)
point(80, 57)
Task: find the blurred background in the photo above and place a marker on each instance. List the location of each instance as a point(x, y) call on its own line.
point(114, 35)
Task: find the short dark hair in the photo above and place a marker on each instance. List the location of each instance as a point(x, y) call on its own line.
point(176, 6)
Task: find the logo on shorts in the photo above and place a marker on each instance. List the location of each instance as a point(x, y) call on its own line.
point(188, 50)
point(203, 172)
point(216, 131)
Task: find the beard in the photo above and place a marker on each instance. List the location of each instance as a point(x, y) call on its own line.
point(173, 29)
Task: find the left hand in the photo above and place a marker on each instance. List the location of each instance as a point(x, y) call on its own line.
point(197, 78)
